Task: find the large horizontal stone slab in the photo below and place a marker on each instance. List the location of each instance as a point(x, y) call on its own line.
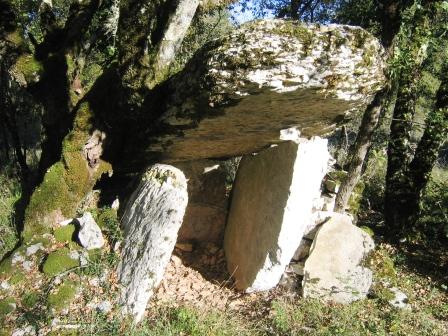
point(334, 270)
point(272, 201)
point(236, 95)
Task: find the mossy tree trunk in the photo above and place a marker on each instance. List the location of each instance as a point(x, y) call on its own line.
point(409, 172)
point(77, 102)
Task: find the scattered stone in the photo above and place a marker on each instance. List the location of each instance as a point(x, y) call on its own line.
point(25, 331)
point(333, 271)
point(104, 307)
point(89, 234)
point(400, 300)
point(31, 250)
point(115, 204)
point(151, 221)
point(66, 222)
point(17, 257)
point(5, 285)
point(186, 247)
point(28, 265)
point(271, 206)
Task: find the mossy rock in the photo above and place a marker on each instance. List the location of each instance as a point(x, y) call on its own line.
point(65, 233)
point(7, 306)
point(30, 299)
point(63, 296)
point(58, 262)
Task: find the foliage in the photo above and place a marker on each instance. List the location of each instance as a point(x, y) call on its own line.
point(9, 195)
point(433, 221)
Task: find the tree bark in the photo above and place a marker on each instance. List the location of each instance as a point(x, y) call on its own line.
point(398, 195)
point(360, 148)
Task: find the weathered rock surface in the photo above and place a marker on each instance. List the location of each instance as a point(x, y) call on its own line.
point(333, 271)
point(151, 221)
point(89, 234)
point(271, 206)
point(237, 94)
point(206, 213)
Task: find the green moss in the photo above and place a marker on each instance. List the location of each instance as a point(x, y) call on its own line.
point(297, 30)
point(30, 299)
point(58, 262)
point(7, 306)
point(64, 233)
point(63, 296)
point(66, 182)
point(5, 267)
point(28, 66)
point(383, 265)
point(367, 230)
point(17, 277)
point(354, 202)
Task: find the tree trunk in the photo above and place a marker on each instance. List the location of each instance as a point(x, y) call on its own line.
point(399, 204)
point(360, 148)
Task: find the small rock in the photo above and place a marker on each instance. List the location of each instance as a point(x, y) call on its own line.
point(28, 265)
point(66, 222)
point(104, 307)
point(5, 285)
point(33, 249)
point(25, 331)
point(115, 204)
point(90, 235)
point(400, 300)
point(186, 247)
point(16, 258)
point(176, 260)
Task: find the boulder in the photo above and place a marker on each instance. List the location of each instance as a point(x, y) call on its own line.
point(206, 212)
point(271, 206)
point(89, 234)
point(334, 270)
point(150, 222)
point(237, 94)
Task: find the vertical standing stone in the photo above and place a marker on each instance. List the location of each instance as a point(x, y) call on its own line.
point(271, 206)
point(151, 221)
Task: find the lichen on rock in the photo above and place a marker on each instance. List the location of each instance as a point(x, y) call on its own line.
point(238, 93)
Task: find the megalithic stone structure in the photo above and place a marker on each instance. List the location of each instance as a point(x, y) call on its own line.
point(271, 207)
